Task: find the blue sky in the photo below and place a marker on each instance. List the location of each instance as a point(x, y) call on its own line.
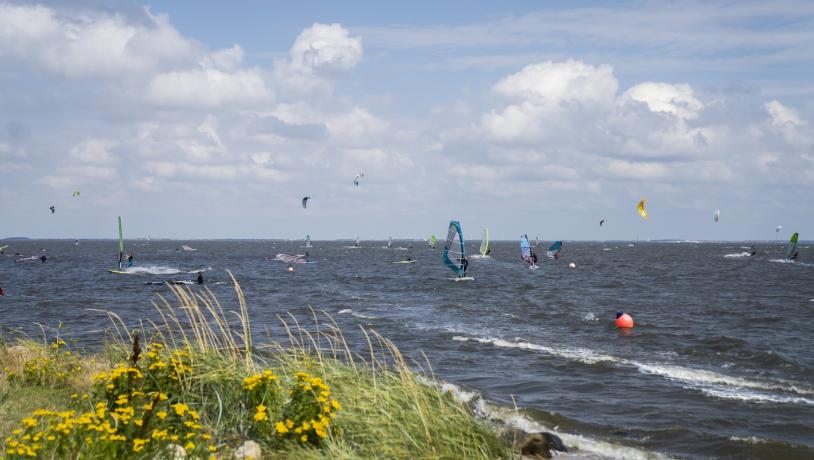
point(211, 120)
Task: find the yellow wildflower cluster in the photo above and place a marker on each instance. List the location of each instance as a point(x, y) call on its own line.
point(56, 366)
point(266, 377)
point(309, 411)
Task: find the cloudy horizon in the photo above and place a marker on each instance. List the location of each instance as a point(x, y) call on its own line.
point(213, 121)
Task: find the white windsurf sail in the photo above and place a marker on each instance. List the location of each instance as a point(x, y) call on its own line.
point(525, 250)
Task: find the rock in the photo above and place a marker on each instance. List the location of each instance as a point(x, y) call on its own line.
point(250, 450)
point(540, 445)
point(173, 452)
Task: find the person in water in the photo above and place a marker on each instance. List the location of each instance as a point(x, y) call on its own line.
point(465, 264)
point(557, 256)
point(1, 292)
point(488, 251)
point(43, 258)
point(533, 258)
point(200, 279)
point(409, 259)
point(130, 260)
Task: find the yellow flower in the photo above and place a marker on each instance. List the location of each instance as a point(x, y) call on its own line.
point(336, 405)
point(212, 449)
point(161, 414)
point(304, 438)
point(260, 416)
point(281, 428)
point(189, 446)
point(138, 444)
point(29, 422)
point(180, 408)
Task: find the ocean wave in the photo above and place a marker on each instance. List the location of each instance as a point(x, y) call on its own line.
point(579, 446)
point(738, 254)
point(356, 314)
point(792, 262)
point(590, 316)
point(708, 382)
point(153, 270)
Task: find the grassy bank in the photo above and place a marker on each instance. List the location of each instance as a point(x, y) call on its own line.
point(196, 385)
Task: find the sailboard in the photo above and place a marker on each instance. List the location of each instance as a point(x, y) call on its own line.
point(554, 249)
point(484, 243)
point(405, 262)
point(120, 270)
point(525, 252)
point(791, 250)
point(432, 241)
point(308, 241)
point(454, 255)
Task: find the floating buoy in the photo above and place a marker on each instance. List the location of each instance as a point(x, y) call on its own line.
point(623, 320)
point(572, 265)
point(290, 269)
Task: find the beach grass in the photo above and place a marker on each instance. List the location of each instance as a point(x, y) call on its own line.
point(195, 384)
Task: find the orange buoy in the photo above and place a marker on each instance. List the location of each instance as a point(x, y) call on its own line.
point(623, 320)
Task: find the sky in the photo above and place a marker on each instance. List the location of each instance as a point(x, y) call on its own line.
point(214, 119)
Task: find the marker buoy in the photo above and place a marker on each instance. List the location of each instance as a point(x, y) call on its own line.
point(290, 269)
point(623, 320)
point(572, 265)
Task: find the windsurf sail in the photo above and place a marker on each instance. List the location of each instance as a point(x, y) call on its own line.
point(358, 243)
point(554, 249)
point(640, 208)
point(187, 248)
point(536, 240)
point(717, 215)
point(289, 259)
point(484, 242)
point(121, 244)
point(454, 248)
point(305, 201)
point(308, 241)
point(525, 250)
point(433, 241)
point(390, 242)
point(791, 250)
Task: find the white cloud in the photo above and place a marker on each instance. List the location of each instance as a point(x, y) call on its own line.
point(208, 88)
point(318, 53)
point(90, 45)
point(93, 150)
point(678, 100)
point(782, 115)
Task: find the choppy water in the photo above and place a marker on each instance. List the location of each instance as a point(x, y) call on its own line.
point(720, 363)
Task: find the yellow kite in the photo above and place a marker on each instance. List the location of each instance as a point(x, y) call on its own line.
point(641, 210)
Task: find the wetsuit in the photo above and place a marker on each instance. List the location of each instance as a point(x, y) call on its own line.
point(200, 279)
point(465, 263)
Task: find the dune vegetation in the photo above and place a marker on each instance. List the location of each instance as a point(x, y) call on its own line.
point(196, 385)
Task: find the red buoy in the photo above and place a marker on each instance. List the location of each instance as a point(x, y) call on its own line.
point(623, 320)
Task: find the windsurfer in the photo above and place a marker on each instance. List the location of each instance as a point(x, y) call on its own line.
point(556, 256)
point(533, 258)
point(200, 279)
point(43, 258)
point(465, 264)
point(793, 256)
point(130, 260)
point(488, 251)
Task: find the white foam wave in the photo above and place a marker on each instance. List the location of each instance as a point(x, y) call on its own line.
point(590, 316)
point(794, 262)
point(207, 269)
point(738, 254)
point(579, 446)
point(153, 270)
point(356, 314)
point(708, 382)
point(749, 440)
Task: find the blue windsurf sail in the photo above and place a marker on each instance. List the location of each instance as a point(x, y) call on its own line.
point(554, 249)
point(525, 250)
point(454, 248)
point(791, 250)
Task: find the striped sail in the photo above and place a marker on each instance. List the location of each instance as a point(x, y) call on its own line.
point(454, 248)
point(525, 250)
point(791, 250)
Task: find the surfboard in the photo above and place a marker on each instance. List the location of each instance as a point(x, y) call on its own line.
point(465, 278)
point(120, 272)
point(3, 247)
point(405, 262)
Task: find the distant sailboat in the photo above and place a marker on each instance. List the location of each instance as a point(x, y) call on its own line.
point(484, 243)
point(717, 216)
point(525, 252)
point(454, 255)
point(554, 250)
point(390, 242)
point(432, 241)
point(358, 243)
point(791, 249)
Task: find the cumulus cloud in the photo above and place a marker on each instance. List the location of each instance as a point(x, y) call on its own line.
point(319, 52)
point(678, 100)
